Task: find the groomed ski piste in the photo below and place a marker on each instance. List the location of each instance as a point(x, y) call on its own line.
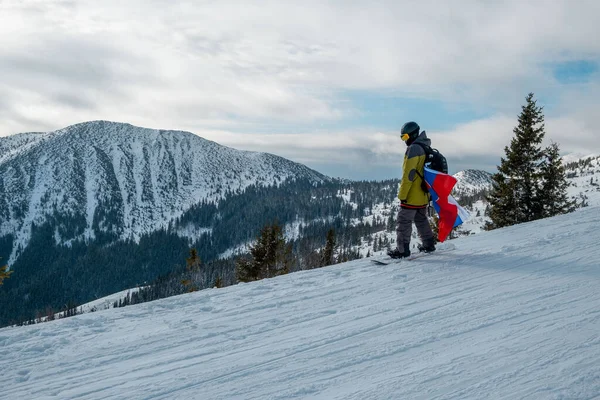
point(508, 314)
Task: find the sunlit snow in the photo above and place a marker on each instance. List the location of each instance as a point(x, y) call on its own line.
point(509, 314)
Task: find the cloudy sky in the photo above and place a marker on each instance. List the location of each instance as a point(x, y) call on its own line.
point(325, 83)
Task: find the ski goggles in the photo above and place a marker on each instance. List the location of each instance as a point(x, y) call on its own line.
point(405, 137)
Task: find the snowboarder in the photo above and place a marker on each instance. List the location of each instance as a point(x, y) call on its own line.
point(413, 196)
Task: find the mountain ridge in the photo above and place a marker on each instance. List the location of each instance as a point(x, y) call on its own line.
point(145, 177)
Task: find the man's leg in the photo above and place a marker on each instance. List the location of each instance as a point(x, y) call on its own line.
point(404, 231)
point(424, 230)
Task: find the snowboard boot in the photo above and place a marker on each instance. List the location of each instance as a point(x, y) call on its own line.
point(397, 253)
point(427, 246)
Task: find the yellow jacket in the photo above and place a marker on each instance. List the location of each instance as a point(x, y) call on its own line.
point(410, 192)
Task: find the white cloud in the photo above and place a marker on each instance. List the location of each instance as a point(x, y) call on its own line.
point(470, 145)
point(315, 147)
point(227, 65)
point(478, 144)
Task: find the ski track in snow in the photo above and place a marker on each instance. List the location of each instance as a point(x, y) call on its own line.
point(509, 314)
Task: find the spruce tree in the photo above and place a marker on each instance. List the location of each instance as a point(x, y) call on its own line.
point(193, 274)
point(277, 260)
point(271, 256)
point(4, 273)
point(193, 262)
point(553, 197)
point(329, 248)
point(514, 194)
point(218, 282)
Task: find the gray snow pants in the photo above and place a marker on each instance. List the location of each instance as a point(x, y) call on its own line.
point(406, 217)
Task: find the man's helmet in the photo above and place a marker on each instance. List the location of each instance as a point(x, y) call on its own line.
point(410, 130)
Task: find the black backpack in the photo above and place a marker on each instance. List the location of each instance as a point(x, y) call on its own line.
point(434, 159)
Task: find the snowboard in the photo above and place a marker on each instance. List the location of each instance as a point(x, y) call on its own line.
point(385, 260)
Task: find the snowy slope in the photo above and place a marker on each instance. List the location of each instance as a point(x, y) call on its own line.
point(584, 175)
point(12, 146)
point(472, 181)
point(510, 314)
point(118, 178)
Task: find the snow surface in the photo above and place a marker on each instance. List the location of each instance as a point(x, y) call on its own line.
point(103, 303)
point(509, 314)
point(582, 185)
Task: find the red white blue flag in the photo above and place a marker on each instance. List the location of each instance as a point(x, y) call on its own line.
point(450, 213)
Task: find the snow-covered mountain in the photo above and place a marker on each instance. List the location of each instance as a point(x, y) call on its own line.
point(471, 182)
point(120, 179)
point(509, 314)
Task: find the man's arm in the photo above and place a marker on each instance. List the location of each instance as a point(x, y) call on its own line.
point(409, 170)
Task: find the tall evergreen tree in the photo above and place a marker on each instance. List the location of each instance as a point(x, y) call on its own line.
point(4, 273)
point(271, 256)
point(553, 198)
point(329, 248)
point(192, 278)
point(514, 195)
point(193, 262)
point(391, 221)
point(218, 282)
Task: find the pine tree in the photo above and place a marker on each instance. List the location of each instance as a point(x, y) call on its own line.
point(391, 221)
point(514, 195)
point(192, 275)
point(553, 194)
point(4, 274)
point(193, 262)
point(271, 256)
point(218, 282)
point(246, 270)
point(277, 259)
point(329, 248)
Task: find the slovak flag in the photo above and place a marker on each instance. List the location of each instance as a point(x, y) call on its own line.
point(450, 213)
